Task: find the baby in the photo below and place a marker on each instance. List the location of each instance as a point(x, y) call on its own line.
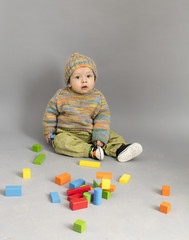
point(79, 117)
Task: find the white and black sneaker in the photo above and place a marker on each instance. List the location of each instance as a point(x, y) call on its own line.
point(96, 152)
point(128, 152)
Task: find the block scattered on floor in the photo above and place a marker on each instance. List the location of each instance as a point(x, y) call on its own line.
point(79, 226)
point(63, 178)
point(26, 173)
point(165, 190)
point(78, 203)
point(97, 196)
point(39, 159)
point(13, 190)
point(36, 148)
point(165, 207)
point(89, 164)
point(125, 178)
point(104, 175)
point(55, 198)
point(77, 183)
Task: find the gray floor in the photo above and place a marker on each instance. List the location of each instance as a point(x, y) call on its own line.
point(131, 213)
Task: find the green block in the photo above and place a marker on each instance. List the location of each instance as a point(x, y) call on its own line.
point(79, 226)
point(106, 194)
point(36, 148)
point(95, 184)
point(39, 159)
point(87, 195)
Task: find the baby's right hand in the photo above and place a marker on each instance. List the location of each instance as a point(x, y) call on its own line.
point(47, 137)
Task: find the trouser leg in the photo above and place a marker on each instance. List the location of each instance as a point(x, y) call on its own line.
point(74, 144)
point(115, 141)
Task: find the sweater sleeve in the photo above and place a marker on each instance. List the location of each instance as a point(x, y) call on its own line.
point(101, 128)
point(50, 117)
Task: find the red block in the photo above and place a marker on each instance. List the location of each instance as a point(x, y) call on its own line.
point(78, 203)
point(78, 190)
point(77, 195)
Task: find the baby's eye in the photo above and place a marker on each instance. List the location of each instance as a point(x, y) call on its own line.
point(89, 76)
point(77, 77)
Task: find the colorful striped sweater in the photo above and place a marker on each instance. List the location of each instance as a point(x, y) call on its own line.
point(78, 112)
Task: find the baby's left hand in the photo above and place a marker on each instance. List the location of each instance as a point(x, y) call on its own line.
point(98, 143)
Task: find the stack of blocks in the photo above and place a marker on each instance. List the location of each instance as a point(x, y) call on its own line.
point(81, 195)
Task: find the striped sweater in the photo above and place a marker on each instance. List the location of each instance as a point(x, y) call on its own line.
point(78, 112)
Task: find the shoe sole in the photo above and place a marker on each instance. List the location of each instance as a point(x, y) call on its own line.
point(130, 152)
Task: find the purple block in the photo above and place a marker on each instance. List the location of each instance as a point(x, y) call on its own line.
point(92, 194)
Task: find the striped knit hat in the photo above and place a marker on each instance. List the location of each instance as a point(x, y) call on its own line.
point(76, 61)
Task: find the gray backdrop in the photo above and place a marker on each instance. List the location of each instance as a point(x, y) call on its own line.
point(141, 49)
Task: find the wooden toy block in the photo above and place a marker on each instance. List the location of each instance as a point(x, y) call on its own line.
point(36, 148)
point(97, 196)
point(13, 191)
point(95, 184)
point(77, 183)
point(89, 164)
point(79, 226)
point(125, 178)
point(92, 194)
point(105, 183)
point(78, 203)
point(165, 207)
point(165, 190)
point(87, 195)
point(106, 194)
point(104, 175)
point(39, 159)
point(77, 195)
point(26, 173)
point(78, 190)
point(63, 178)
point(112, 187)
point(55, 197)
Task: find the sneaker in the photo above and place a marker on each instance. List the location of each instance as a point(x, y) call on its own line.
point(128, 152)
point(96, 152)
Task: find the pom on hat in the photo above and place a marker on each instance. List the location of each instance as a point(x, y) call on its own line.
point(76, 61)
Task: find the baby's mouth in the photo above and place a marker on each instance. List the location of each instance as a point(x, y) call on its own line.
point(84, 87)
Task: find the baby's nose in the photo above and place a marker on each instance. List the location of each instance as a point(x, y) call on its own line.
point(84, 79)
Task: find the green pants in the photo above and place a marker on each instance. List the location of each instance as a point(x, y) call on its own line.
point(77, 143)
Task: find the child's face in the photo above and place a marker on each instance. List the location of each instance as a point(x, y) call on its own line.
point(82, 80)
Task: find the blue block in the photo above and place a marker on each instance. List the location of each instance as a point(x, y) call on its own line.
point(13, 190)
point(77, 183)
point(97, 196)
point(55, 197)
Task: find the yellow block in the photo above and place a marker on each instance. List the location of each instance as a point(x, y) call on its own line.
point(89, 164)
point(125, 178)
point(105, 183)
point(26, 173)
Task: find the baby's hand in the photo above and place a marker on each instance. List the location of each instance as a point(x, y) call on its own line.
point(98, 143)
point(47, 137)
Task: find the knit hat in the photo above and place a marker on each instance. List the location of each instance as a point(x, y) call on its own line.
point(76, 61)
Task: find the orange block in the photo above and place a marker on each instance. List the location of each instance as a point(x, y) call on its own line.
point(104, 175)
point(165, 190)
point(112, 188)
point(62, 178)
point(165, 207)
